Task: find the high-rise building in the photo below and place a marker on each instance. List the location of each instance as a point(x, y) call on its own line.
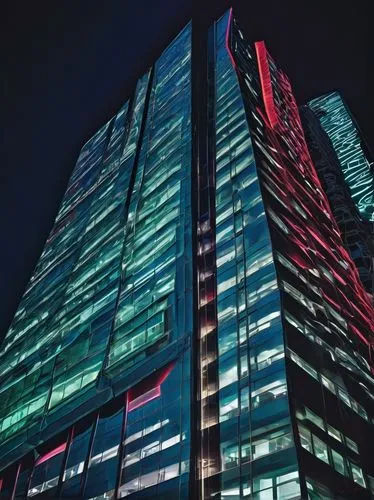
point(351, 150)
point(195, 327)
point(346, 172)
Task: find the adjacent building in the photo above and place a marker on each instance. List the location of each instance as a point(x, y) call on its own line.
point(195, 327)
point(352, 152)
point(346, 172)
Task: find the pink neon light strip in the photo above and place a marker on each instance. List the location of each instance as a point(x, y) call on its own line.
point(359, 334)
point(267, 91)
point(151, 393)
point(315, 236)
point(51, 454)
point(16, 480)
point(228, 28)
point(144, 398)
point(321, 241)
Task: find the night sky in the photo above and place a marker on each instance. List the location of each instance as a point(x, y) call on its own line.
point(68, 66)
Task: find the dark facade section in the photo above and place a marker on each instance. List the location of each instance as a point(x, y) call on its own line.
point(355, 160)
point(326, 313)
point(357, 232)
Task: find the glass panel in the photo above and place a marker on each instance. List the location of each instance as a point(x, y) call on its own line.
point(47, 470)
point(273, 442)
point(339, 462)
point(288, 491)
point(351, 444)
point(334, 433)
point(305, 438)
point(103, 464)
point(77, 455)
point(357, 474)
point(320, 449)
point(328, 384)
point(313, 417)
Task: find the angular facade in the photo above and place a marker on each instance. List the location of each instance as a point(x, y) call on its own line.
point(195, 327)
point(357, 232)
point(99, 350)
point(350, 148)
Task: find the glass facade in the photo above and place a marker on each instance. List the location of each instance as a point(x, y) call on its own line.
point(247, 375)
point(355, 229)
point(195, 327)
point(327, 315)
point(354, 160)
point(109, 304)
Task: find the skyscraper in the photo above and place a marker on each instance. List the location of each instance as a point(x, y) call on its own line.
point(343, 164)
point(195, 327)
point(351, 150)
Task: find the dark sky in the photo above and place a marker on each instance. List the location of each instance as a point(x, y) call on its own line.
point(68, 66)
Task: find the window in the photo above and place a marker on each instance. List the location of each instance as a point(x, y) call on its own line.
point(334, 433)
point(328, 384)
point(314, 418)
point(305, 438)
point(351, 444)
point(288, 491)
point(271, 443)
point(320, 449)
point(264, 495)
point(303, 364)
point(267, 393)
point(339, 462)
point(230, 454)
point(244, 399)
point(228, 407)
point(344, 397)
point(362, 412)
point(357, 474)
point(228, 371)
point(261, 483)
point(266, 354)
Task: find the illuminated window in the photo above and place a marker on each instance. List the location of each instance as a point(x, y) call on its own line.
point(339, 463)
point(357, 474)
point(320, 449)
point(305, 438)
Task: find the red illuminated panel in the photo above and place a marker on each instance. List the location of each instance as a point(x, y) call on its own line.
point(144, 398)
point(148, 389)
point(51, 454)
point(267, 91)
point(228, 39)
point(293, 171)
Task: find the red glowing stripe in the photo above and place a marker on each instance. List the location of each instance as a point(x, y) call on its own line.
point(165, 373)
point(299, 261)
point(359, 334)
point(264, 118)
point(51, 454)
point(1, 484)
point(148, 389)
point(323, 240)
point(144, 398)
point(228, 28)
point(265, 78)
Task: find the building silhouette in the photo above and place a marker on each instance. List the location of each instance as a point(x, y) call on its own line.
point(195, 326)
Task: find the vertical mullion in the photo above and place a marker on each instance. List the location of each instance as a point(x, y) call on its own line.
point(64, 461)
point(88, 457)
point(121, 448)
point(16, 481)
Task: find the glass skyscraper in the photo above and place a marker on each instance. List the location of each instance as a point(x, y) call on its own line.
point(352, 153)
point(343, 165)
point(195, 327)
